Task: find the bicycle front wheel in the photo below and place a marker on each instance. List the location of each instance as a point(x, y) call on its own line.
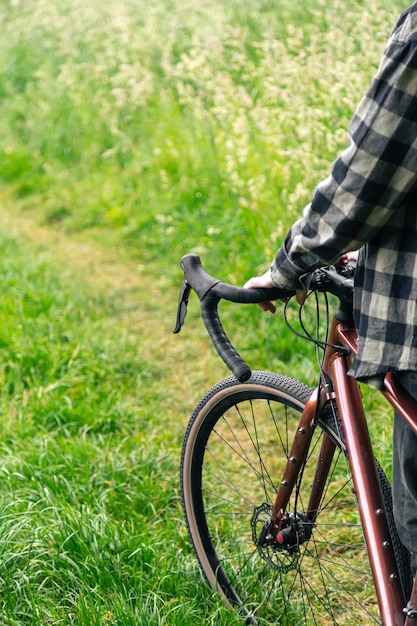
point(235, 450)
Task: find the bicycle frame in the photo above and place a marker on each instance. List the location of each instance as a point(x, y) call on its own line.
point(344, 390)
point(337, 388)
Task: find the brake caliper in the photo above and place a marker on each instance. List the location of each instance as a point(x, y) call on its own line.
point(292, 530)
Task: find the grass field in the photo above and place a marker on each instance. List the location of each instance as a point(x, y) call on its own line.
point(130, 134)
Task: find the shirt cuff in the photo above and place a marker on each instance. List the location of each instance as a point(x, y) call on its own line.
point(281, 279)
point(284, 273)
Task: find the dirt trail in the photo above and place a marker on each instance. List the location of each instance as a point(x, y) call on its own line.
point(146, 303)
point(108, 267)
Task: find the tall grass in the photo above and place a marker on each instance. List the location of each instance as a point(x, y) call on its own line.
point(90, 529)
point(133, 132)
point(181, 124)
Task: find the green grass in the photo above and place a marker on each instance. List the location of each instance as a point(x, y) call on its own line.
point(130, 134)
point(91, 529)
point(191, 125)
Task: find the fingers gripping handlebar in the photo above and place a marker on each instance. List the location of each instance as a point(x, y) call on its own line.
point(210, 291)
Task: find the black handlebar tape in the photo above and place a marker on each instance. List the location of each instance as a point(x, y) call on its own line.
point(250, 296)
point(203, 283)
point(210, 291)
point(225, 350)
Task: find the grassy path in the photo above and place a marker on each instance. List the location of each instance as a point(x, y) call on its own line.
point(145, 303)
point(94, 404)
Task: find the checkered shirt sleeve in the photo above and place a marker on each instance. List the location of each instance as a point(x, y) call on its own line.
point(369, 202)
point(373, 176)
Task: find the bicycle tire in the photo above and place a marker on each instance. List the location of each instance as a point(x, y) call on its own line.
point(235, 445)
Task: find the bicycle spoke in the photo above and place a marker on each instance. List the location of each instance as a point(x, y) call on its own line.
point(233, 459)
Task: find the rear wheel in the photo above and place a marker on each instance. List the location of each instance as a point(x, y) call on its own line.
point(235, 450)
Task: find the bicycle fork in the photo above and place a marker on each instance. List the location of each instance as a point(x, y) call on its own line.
point(290, 532)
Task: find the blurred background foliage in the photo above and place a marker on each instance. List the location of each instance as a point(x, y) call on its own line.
point(178, 125)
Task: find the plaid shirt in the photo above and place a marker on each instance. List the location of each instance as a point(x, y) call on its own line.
point(369, 202)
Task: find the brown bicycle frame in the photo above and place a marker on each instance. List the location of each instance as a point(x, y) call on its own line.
point(344, 390)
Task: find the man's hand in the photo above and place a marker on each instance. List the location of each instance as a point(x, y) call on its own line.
point(266, 281)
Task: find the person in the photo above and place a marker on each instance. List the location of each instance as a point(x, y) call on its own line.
point(369, 203)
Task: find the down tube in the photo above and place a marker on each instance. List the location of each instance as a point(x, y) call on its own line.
point(368, 491)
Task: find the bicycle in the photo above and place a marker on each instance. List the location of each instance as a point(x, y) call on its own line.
point(289, 514)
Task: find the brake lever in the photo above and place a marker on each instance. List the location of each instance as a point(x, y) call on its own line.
point(182, 305)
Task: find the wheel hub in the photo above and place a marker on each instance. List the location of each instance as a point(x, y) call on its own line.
point(278, 544)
